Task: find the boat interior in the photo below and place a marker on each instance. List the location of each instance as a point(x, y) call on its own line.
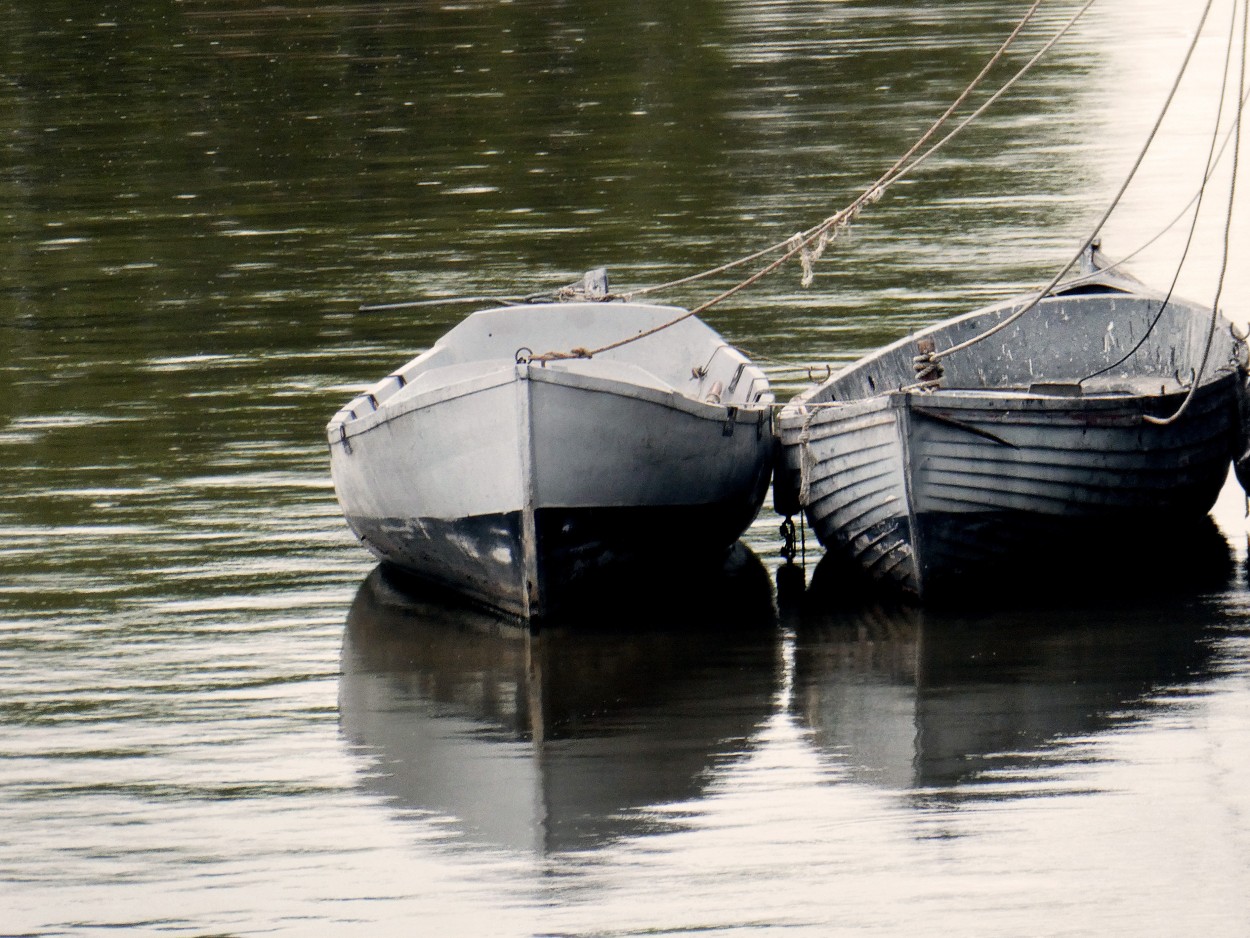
point(1099, 340)
point(686, 356)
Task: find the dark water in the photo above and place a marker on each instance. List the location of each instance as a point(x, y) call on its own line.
point(215, 718)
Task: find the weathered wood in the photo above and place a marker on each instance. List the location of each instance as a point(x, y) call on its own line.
point(1023, 434)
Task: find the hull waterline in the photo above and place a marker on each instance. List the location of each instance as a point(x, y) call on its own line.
point(1019, 458)
point(526, 484)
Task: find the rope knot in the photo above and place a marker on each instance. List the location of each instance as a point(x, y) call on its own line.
point(562, 356)
point(928, 368)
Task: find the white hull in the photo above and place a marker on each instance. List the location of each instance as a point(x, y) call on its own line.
point(513, 482)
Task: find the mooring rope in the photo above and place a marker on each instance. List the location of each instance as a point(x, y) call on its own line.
point(1089, 241)
point(441, 301)
point(1228, 226)
point(989, 102)
point(1121, 261)
point(1197, 197)
point(1214, 153)
point(871, 194)
point(1225, 139)
point(811, 243)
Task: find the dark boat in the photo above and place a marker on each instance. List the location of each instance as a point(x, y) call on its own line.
point(1105, 406)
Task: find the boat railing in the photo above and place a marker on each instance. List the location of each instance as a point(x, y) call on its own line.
point(726, 369)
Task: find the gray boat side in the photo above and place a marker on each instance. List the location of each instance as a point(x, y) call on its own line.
point(1037, 428)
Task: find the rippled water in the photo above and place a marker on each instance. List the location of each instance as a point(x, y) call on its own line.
point(217, 718)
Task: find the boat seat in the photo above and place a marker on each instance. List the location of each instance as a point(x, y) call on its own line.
point(1136, 384)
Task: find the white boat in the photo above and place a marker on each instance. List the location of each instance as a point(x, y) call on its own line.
point(517, 477)
point(1038, 438)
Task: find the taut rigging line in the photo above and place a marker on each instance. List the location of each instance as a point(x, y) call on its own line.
point(811, 243)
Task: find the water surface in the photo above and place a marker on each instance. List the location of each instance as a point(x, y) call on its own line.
point(218, 718)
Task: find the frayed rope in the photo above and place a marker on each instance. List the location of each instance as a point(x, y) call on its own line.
point(811, 248)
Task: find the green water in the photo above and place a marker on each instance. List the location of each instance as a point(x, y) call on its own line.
point(208, 726)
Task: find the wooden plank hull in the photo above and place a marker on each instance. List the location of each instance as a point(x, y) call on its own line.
point(926, 491)
point(1029, 441)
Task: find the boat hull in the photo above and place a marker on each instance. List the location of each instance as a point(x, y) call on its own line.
point(526, 485)
point(930, 492)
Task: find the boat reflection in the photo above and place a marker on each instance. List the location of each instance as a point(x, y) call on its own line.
point(561, 739)
point(1001, 703)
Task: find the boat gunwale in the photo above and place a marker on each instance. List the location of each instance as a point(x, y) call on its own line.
point(1122, 285)
point(797, 412)
point(453, 350)
point(508, 372)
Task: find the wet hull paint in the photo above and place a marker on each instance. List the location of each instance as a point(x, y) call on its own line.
point(581, 552)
